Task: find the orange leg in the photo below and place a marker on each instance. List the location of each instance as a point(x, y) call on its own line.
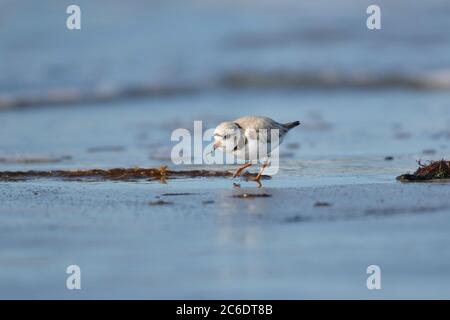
point(239, 171)
point(258, 177)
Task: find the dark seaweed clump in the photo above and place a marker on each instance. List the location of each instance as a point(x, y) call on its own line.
point(434, 170)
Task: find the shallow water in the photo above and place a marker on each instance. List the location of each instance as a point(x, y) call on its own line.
point(209, 244)
point(198, 43)
point(276, 247)
point(337, 127)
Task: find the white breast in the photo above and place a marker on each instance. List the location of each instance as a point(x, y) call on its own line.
point(255, 150)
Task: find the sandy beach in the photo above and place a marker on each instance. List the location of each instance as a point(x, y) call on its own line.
point(98, 99)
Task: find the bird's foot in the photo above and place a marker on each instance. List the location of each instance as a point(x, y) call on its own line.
point(258, 177)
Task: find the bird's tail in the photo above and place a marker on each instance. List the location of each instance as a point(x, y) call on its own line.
point(291, 125)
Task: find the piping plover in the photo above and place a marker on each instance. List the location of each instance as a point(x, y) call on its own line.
point(246, 136)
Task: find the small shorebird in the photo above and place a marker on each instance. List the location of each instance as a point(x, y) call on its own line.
point(246, 136)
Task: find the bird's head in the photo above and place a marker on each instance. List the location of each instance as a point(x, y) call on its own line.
point(227, 136)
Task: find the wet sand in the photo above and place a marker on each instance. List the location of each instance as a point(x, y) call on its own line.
point(215, 244)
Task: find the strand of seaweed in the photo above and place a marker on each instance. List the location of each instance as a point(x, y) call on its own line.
point(118, 174)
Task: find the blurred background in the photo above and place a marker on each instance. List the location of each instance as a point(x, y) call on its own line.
point(138, 70)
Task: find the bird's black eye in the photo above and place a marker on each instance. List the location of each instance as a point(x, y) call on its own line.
point(226, 136)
